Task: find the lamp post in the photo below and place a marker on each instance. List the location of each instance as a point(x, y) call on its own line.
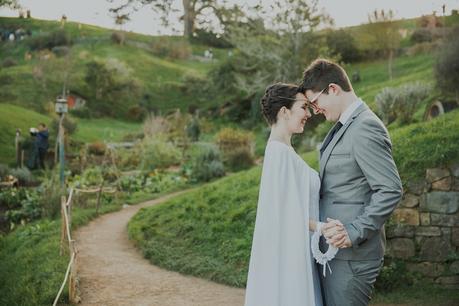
point(61, 108)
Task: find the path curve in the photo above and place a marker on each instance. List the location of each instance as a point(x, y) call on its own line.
point(113, 271)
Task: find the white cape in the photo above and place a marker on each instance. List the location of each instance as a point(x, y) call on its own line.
point(282, 271)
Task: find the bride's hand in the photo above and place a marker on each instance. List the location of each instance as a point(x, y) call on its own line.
point(337, 235)
point(331, 228)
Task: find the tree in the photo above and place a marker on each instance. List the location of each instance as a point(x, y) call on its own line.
point(383, 34)
point(14, 4)
point(447, 65)
point(342, 43)
point(277, 48)
point(111, 87)
point(192, 10)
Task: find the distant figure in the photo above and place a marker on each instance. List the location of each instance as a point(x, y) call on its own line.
point(42, 144)
point(29, 15)
point(39, 147)
point(63, 20)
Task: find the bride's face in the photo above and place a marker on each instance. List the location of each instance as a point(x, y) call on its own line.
point(298, 115)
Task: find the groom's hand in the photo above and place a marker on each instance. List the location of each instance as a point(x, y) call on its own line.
point(336, 234)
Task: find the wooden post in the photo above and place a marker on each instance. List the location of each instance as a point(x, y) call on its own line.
point(22, 158)
point(99, 196)
point(69, 208)
point(63, 226)
point(16, 144)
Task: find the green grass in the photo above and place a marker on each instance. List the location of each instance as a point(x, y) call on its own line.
point(13, 117)
point(206, 233)
point(426, 145)
point(161, 78)
point(31, 268)
point(107, 129)
point(421, 294)
point(374, 75)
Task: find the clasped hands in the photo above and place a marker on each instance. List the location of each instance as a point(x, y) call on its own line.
point(336, 234)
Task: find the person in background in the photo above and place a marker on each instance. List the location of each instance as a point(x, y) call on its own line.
point(42, 144)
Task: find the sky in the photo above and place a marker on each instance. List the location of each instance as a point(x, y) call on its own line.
point(344, 12)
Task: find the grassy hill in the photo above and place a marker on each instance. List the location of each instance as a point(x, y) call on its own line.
point(160, 77)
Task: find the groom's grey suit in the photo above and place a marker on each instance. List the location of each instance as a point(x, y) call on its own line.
point(361, 188)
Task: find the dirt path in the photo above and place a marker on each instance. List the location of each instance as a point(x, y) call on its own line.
point(113, 272)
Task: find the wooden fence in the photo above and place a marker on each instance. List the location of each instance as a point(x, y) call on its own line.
point(66, 236)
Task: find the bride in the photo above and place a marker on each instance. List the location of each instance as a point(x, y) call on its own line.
point(282, 271)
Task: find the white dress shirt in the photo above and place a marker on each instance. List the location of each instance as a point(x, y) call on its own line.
point(349, 110)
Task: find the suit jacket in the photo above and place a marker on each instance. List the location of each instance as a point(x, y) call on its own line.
point(360, 183)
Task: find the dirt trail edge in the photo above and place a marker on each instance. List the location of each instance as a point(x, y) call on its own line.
point(113, 272)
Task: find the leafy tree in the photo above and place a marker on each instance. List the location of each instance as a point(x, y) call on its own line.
point(14, 4)
point(192, 11)
point(447, 65)
point(271, 49)
point(382, 34)
point(341, 43)
point(111, 87)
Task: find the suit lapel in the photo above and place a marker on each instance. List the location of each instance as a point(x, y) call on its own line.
point(326, 155)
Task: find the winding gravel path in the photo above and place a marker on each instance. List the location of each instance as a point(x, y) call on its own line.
point(113, 272)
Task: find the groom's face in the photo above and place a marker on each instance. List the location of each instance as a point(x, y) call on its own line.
point(324, 103)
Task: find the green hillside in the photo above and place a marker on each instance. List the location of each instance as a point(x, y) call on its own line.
point(161, 78)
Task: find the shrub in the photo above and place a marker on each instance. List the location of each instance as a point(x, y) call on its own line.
point(97, 148)
point(401, 102)
point(81, 112)
point(50, 40)
point(154, 126)
point(409, 98)
point(422, 48)
point(393, 275)
point(118, 38)
point(421, 35)
point(342, 43)
point(9, 62)
point(129, 159)
point(165, 47)
point(23, 175)
point(205, 163)
point(447, 65)
point(11, 198)
point(27, 209)
point(112, 88)
point(136, 113)
point(61, 50)
point(70, 125)
point(4, 171)
point(157, 153)
point(237, 147)
point(193, 130)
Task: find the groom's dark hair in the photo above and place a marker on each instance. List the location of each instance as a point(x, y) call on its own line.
point(321, 73)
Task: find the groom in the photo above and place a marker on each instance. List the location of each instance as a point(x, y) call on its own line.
point(360, 185)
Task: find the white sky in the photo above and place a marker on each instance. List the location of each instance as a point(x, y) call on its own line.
point(344, 12)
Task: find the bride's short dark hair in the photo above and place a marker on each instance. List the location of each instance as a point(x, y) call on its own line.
point(277, 96)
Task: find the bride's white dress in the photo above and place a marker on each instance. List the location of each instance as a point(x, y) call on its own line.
point(282, 271)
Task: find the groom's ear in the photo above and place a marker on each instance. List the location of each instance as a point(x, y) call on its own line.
point(334, 89)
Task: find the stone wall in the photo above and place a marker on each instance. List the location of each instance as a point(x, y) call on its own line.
point(424, 229)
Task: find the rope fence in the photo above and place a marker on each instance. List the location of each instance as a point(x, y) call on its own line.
point(66, 236)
